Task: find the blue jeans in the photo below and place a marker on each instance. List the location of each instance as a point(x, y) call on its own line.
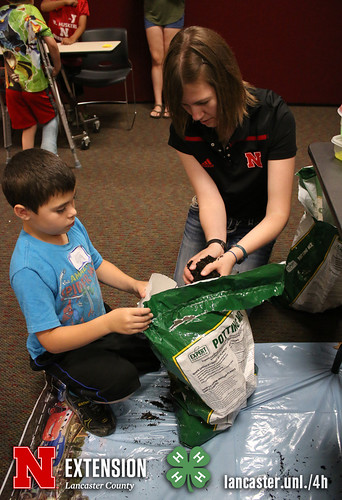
point(194, 241)
point(49, 135)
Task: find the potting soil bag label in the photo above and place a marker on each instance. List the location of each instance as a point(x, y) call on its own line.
point(219, 365)
point(202, 335)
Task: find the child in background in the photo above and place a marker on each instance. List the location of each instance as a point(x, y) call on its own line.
point(67, 19)
point(28, 96)
point(55, 273)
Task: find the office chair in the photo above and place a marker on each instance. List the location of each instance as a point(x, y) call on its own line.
point(104, 69)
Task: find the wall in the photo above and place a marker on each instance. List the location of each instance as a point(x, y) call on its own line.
point(291, 46)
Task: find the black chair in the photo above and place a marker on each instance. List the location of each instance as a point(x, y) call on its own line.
point(104, 69)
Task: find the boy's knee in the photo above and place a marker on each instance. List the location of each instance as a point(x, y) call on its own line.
point(122, 383)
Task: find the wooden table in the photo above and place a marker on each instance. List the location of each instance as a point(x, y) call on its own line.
point(329, 173)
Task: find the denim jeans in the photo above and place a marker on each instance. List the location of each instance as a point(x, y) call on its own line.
point(194, 241)
point(49, 135)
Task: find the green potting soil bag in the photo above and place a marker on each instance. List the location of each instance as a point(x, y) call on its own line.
point(313, 270)
point(191, 413)
point(201, 333)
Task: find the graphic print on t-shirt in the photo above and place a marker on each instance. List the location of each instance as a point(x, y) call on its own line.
point(77, 292)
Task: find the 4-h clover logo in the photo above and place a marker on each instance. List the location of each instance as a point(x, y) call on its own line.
point(190, 469)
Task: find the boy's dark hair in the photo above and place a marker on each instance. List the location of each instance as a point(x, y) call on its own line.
point(33, 176)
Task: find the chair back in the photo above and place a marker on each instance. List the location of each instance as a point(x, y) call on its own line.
point(117, 58)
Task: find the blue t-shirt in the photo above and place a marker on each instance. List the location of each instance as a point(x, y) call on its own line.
point(56, 285)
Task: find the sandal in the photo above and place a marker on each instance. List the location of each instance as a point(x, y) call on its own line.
point(155, 113)
point(166, 113)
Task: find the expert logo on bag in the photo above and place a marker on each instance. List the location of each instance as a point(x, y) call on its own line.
point(199, 353)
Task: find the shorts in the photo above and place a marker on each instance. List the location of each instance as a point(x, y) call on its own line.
point(177, 24)
point(29, 108)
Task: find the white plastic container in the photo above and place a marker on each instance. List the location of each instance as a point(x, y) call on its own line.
point(339, 110)
point(337, 142)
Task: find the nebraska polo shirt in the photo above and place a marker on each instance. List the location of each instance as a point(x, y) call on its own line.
point(240, 169)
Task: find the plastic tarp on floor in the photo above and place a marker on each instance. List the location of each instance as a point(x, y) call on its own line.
point(286, 442)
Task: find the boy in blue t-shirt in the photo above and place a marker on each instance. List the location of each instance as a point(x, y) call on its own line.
point(55, 273)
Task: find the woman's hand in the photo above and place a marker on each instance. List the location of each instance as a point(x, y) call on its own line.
point(223, 265)
point(215, 250)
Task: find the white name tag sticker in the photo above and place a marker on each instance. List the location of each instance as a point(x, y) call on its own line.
point(79, 257)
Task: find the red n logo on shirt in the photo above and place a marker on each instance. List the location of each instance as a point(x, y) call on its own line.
point(253, 159)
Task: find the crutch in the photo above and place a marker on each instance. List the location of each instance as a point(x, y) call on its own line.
point(6, 125)
point(59, 104)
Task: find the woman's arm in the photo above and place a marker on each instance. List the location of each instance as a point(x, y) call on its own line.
point(212, 211)
point(280, 184)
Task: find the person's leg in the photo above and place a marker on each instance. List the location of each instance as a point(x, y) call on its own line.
point(137, 350)
point(193, 242)
point(27, 138)
point(93, 371)
point(154, 35)
point(93, 375)
point(49, 135)
point(168, 33)
point(21, 117)
point(113, 364)
point(42, 107)
point(105, 370)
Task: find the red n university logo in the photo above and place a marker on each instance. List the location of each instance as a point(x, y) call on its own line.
point(254, 159)
point(42, 472)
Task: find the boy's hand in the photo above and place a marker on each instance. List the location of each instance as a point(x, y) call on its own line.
point(129, 320)
point(139, 289)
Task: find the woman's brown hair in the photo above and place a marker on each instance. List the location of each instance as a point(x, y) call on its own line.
point(198, 53)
